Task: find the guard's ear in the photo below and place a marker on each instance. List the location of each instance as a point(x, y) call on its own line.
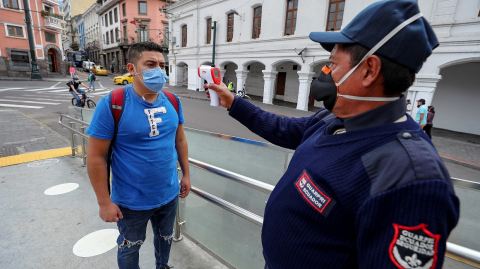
point(371, 74)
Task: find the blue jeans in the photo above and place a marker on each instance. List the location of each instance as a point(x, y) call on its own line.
point(79, 102)
point(91, 85)
point(133, 228)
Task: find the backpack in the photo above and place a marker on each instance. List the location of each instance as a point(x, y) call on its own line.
point(117, 104)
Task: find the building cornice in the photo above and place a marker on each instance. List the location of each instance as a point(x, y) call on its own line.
point(107, 6)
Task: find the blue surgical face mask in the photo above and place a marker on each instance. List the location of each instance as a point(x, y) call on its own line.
point(154, 79)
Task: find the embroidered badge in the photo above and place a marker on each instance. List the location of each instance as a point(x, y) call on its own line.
point(313, 195)
point(414, 247)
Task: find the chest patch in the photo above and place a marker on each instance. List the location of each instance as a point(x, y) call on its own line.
point(313, 195)
point(414, 247)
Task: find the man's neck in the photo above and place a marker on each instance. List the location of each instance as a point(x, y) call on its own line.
point(144, 92)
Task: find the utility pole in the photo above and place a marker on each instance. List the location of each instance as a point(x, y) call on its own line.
point(214, 35)
point(35, 74)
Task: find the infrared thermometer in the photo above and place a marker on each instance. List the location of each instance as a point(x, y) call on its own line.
point(211, 75)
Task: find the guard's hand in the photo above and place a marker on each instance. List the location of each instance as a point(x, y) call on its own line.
point(226, 97)
point(185, 187)
point(110, 212)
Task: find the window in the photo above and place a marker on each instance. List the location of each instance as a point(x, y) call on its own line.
point(124, 32)
point(143, 33)
point(124, 11)
point(15, 31)
point(50, 37)
point(184, 36)
point(106, 19)
point(117, 38)
point(115, 14)
point(230, 22)
point(142, 8)
point(48, 9)
point(13, 4)
point(20, 58)
point(111, 19)
point(291, 20)
point(209, 30)
point(257, 22)
point(111, 36)
point(335, 15)
point(107, 39)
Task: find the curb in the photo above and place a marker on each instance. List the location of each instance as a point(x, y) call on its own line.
point(459, 162)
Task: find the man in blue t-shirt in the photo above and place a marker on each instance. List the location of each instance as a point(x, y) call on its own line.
point(149, 141)
point(421, 117)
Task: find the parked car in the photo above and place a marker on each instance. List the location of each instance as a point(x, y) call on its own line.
point(87, 66)
point(123, 79)
point(99, 70)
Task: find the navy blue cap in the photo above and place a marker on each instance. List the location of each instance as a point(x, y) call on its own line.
point(410, 47)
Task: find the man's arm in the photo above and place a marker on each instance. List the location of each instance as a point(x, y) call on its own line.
point(97, 171)
point(182, 151)
point(421, 119)
point(85, 86)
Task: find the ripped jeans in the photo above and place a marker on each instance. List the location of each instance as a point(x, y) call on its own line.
point(133, 228)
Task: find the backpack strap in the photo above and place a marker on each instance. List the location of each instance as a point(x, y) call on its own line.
point(117, 103)
point(171, 97)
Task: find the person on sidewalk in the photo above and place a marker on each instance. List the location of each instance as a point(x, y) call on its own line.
point(357, 193)
point(91, 79)
point(409, 106)
point(148, 142)
point(421, 117)
point(75, 91)
point(72, 71)
point(429, 126)
point(231, 86)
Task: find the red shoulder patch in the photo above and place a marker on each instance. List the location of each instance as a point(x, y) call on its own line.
point(414, 247)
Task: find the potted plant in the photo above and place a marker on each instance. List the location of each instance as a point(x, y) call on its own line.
point(44, 13)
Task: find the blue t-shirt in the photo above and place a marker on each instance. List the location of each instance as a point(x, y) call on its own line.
point(144, 174)
point(422, 110)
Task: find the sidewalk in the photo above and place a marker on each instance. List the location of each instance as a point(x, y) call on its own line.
point(454, 147)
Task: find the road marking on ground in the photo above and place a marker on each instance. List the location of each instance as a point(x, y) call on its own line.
point(9, 89)
point(61, 189)
point(96, 243)
point(6, 105)
point(43, 163)
point(44, 89)
point(35, 98)
point(34, 156)
point(31, 102)
point(56, 84)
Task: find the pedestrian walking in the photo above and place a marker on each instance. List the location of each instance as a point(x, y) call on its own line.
point(112, 68)
point(421, 117)
point(428, 127)
point(409, 106)
point(91, 79)
point(72, 71)
point(357, 193)
point(147, 142)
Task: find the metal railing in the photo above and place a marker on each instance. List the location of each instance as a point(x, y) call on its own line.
point(453, 251)
point(84, 137)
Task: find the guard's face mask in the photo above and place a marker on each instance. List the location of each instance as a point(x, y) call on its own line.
point(326, 90)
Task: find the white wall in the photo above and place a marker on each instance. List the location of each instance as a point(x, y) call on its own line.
point(457, 98)
point(291, 82)
point(254, 83)
point(113, 26)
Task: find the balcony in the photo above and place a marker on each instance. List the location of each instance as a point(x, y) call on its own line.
point(53, 23)
point(51, 2)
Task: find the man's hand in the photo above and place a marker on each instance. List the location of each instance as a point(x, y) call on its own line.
point(184, 187)
point(226, 97)
point(110, 212)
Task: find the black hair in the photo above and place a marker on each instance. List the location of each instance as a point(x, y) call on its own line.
point(432, 109)
point(396, 78)
point(135, 51)
point(422, 101)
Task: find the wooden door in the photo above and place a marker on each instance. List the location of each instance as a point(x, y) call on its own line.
point(281, 78)
point(53, 59)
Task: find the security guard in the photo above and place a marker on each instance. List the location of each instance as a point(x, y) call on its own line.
point(365, 188)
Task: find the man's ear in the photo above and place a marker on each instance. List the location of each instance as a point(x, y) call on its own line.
point(372, 67)
point(130, 68)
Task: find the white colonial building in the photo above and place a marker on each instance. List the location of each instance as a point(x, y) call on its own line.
point(264, 45)
point(109, 16)
point(92, 32)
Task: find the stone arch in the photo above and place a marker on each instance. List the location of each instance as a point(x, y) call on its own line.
point(247, 63)
point(275, 64)
point(457, 62)
point(58, 54)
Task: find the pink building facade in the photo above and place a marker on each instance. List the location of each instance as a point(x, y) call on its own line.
point(138, 21)
point(15, 58)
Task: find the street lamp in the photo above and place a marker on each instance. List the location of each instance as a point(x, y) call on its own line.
point(35, 74)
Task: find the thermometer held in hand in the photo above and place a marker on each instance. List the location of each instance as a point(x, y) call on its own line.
point(211, 75)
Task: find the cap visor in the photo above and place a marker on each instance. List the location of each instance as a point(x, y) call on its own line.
point(329, 39)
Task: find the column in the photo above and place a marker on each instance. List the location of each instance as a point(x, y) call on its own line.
point(222, 73)
point(423, 88)
point(268, 88)
point(241, 79)
point(305, 79)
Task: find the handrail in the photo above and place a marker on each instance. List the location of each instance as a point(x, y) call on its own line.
point(84, 136)
point(469, 255)
point(70, 128)
point(228, 206)
point(250, 182)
